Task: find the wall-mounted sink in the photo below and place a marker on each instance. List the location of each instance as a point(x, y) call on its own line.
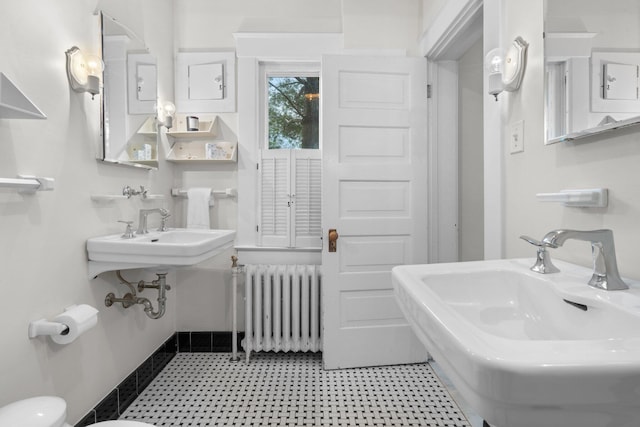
point(174, 247)
point(526, 349)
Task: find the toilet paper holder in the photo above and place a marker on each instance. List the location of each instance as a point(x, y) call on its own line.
point(44, 327)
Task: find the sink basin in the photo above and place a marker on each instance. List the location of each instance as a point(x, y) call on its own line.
point(526, 349)
point(174, 247)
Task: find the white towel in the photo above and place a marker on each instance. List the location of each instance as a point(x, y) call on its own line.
point(199, 201)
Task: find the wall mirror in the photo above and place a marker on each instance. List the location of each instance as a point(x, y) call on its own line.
point(592, 60)
point(129, 97)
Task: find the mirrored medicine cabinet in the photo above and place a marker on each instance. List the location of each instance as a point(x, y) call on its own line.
point(129, 97)
point(592, 57)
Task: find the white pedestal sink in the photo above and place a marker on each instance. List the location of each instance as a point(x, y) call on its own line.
point(161, 249)
point(526, 349)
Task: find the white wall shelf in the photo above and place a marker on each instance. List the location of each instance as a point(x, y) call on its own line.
point(228, 192)
point(149, 128)
point(216, 143)
point(196, 152)
point(589, 198)
point(179, 131)
point(14, 104)
point(142, 148)
point(108, 198)
point(28, 184)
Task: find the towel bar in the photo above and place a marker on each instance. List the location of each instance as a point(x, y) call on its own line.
point(229, 192)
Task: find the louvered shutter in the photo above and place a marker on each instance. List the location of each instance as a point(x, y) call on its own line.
point(274, 226)
point(307, 222)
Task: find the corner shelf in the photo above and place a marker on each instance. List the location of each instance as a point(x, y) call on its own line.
point(28, 183)
point(215, 144)
point(148, 128)
point(14, 104)
point(195, 152)
point(145, 138)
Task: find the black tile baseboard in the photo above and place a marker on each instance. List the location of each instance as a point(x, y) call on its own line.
point(206, 342)
point(119, 399)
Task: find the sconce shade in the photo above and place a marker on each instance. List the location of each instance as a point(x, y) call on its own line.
point(83, 72)
point(165, 114)
point(168, 110)
point(494, 66)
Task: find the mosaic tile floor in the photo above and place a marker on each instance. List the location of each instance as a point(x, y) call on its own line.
point(291, 389)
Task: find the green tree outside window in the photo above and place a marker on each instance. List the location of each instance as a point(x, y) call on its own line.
point(294, 112)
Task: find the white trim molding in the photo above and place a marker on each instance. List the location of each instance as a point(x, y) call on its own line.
point(252, 49)
point(456, 22)
point(457, 27)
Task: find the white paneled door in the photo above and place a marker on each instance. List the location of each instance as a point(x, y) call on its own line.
point(375, 197)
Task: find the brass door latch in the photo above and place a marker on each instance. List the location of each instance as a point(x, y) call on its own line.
point(333, 238)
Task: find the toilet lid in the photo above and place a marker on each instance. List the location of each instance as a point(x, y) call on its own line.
point(122, 423)
point(42, 411)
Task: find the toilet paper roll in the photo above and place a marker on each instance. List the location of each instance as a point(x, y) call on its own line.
point(79, 319)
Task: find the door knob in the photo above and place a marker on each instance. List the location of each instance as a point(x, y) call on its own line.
point(333, 237)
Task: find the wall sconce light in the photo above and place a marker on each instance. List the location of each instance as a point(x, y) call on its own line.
point(494, 65)
point(505, 71)
point(83, 71)
point(165, 115)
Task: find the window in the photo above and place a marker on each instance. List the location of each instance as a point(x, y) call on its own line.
point(290, 167)
point(293, 112)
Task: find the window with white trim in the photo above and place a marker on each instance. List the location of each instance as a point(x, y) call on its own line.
point(289, 206)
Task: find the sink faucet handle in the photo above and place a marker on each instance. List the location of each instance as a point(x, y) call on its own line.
point(538, 243)
point(128, 191)
point(543, 262)
point(128, 232)
point(163, 221)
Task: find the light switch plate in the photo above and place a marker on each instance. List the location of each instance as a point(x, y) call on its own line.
point(516, 137)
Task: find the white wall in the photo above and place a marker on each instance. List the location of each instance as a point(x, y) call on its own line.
point(602, 161)
point(382, 24)
point(42, 256)
point(430, 11)
point(203, 24)
point(367, 24)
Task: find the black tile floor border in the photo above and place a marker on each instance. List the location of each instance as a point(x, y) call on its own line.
point(119, 399)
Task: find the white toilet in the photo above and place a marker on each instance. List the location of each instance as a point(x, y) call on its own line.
point(47, 411)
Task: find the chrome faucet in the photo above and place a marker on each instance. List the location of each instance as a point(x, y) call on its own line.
point(142, 222)
point(605, 268)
